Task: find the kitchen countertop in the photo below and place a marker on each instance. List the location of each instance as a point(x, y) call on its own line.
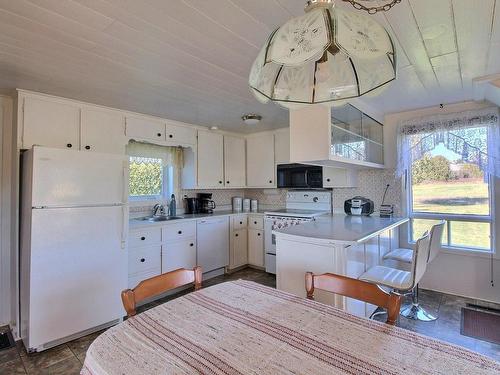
point(137, 223)
point(341, 228)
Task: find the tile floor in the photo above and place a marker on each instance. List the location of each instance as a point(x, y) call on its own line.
point(68, 358)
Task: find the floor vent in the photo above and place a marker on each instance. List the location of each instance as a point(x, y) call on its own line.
point(6, 340)
point(482, 323)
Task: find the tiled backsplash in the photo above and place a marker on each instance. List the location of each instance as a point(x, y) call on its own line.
point(371, 184)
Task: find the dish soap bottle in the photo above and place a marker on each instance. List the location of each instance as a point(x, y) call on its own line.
point(173, 206)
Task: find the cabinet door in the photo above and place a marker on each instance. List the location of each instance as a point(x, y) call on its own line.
point(49, 123)
point(339, 177)
point(144, 128)
point(180, 135)
point(103, 131)
point(260, 161)
point(181, 254)
point(210, 160)
point(282, 146)
point(234, 162)
point(239, 254)
point(256, 247)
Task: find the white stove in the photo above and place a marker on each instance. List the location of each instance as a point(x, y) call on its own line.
point(301, 206)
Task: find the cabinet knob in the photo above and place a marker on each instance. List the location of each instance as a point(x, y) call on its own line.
point(255, 222)
point(143, 260)
point(236, 235)
point(258, 234)
point(241, 222)
point(143, 238)
point(327, 180)
point(227, 182)
point(87, 147)
point(191, 244)
point(69, 145)
point(270, 181)
point(170, 136)
point(179, 232)
point(220, 182)
point(158, 134)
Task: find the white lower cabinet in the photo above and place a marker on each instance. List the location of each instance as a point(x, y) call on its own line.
point(180, 254)
point(144, 259)
point(239, 248)
point(144, 255)
point(256, 247)
point(179, 246)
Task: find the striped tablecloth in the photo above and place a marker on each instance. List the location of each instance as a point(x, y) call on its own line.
point(241, 327)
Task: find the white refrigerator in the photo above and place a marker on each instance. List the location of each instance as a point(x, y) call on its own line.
point(74, 224)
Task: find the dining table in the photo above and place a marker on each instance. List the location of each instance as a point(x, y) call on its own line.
point(241, 327)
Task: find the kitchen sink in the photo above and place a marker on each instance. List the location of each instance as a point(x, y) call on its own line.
point(160, 218)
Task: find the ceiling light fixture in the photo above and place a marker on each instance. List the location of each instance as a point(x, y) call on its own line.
point(327, 55)
point(251, 119)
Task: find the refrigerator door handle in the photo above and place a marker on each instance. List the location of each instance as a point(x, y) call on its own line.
point(124, 226)
point(125, 182)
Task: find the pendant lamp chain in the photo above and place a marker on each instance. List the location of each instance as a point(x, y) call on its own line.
point(372, 10)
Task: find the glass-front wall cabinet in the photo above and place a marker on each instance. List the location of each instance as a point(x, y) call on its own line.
point(356, 136)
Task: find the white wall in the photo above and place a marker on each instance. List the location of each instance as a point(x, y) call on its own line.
point(463, 274)
point(5, 210)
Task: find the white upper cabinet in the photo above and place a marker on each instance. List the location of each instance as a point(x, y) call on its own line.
point(261, 169)
point(339, 177)
point(145, 128)
point(180, 135)
point(234, 162)
point(210, 160)
point(282, 146)
point(103, 131)
point(50, 123)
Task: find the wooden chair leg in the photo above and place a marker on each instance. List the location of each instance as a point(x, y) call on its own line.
point(197, 277)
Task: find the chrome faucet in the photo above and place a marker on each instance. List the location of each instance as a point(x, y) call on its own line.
point(159, 210)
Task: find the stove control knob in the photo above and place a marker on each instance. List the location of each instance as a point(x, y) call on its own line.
point(315, 199)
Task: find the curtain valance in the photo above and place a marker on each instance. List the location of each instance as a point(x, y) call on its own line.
point(473, 135)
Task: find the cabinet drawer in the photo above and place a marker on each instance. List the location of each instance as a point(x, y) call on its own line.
point(180, 134)
point(180, 254)
point(145, 237)
point(134, 280)
point(240, 222)
point(144, 259)
point(144, 128)
point(174, 232)
point(256, 222)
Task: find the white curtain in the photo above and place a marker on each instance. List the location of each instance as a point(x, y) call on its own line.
point(458, 132)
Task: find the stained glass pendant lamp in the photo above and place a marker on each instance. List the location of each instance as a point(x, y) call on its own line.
point(328, 55)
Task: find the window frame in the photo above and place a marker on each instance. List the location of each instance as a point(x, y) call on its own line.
point(474, 218)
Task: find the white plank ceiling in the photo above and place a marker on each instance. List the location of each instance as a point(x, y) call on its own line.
point(189, 60)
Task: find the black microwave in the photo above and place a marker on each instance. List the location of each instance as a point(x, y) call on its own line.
point(299, 176)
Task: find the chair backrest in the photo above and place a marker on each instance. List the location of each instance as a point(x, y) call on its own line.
point(356, 289)
point(435, 241)
point(420, 257)
point(159, 284)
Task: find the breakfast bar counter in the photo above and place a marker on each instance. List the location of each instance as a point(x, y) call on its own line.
point(340, 244)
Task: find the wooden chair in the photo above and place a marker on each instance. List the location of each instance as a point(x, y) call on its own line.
point(159, 284)
point(356, 289)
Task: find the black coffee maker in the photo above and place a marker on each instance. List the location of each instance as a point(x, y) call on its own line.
point(205, 203)
point(192, 205)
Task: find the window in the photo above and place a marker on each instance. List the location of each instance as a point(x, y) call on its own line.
point(146, 177)
point(446, 182)
point(153, 171)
